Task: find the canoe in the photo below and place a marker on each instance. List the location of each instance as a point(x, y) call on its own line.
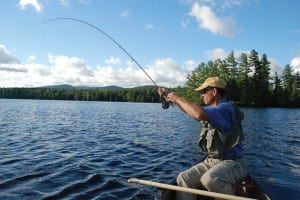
point(248, 188)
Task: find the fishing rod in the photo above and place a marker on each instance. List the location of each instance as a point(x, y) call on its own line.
point(165, 104)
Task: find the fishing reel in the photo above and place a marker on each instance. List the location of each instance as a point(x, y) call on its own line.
point(164, 103)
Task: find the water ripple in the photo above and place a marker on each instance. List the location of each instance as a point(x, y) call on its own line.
point(88, 150)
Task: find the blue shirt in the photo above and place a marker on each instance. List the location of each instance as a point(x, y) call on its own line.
point(223, 117)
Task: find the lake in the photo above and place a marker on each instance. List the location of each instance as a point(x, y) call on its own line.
point(88, 150)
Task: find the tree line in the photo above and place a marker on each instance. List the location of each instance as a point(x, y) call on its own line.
point(249, 82)
point(142, 94)
point(248, 78)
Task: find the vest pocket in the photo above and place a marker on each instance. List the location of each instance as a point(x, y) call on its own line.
point(209, 138)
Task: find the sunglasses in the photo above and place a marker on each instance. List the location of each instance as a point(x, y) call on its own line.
point(206, 90)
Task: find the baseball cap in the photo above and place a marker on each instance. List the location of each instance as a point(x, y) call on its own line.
point(212, 82)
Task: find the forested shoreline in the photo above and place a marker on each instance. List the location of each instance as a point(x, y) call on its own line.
point(248, 84)
point(146, 94)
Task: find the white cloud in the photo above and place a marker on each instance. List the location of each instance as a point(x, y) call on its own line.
point(295, 63)
point(225, 4)
point(34, 3)
point(149, 27)
point(84, 1)
point(31, 58)
point(113, 61)
point(65, 3)
point(74, 71)
point(167, 72)
point(208, 20)
point(274, 67)
point(15, 68)
point(125, 14)
point(232, 3)
point(217, 53)
point(24, 75)
point(6, 57)
point(190, 65)
point(184, 23)
point(69, 69)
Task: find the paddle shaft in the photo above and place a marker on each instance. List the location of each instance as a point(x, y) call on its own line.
point(188, 190)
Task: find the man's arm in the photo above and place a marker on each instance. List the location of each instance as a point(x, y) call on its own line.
point(195, 111)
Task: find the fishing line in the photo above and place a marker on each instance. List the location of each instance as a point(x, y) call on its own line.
point(165, 104)
point(107, 35)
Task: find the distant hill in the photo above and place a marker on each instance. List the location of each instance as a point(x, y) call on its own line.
point(146, 87)
point(63, 86)
point(110, 87)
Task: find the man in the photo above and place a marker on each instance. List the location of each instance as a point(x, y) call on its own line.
point(221, 136)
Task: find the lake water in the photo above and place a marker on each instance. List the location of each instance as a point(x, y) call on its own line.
point(88, 150)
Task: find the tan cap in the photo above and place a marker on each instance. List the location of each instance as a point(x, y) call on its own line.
point(212, 82)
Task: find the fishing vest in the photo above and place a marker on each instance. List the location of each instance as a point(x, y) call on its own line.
point(216, 143)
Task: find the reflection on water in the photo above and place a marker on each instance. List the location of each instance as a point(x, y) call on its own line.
point(273, 149)
point(88, 150)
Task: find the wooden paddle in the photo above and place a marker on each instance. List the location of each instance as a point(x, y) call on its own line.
point(188, 190)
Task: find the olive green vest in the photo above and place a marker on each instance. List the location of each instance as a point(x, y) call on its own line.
point(216, 143)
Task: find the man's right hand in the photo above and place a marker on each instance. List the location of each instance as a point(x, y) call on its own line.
point(162, 92)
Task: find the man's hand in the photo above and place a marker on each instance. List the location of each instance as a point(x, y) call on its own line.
point(162, 92)
point(169, 97)
point(172, 97)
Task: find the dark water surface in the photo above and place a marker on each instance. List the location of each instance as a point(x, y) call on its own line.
point(88, 150)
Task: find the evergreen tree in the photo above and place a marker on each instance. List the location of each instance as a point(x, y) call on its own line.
point(243, 79)
point(264, 76)
point(278, 97)
point(231, 65)
point(287, 78)
point(223, 70)
point(255, 92)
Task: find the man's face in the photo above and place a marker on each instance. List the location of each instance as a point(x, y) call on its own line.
point(208, 95)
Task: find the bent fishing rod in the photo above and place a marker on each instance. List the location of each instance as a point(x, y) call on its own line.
point(165, 104)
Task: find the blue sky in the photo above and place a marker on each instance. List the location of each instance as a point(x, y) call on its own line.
point(168, 38)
